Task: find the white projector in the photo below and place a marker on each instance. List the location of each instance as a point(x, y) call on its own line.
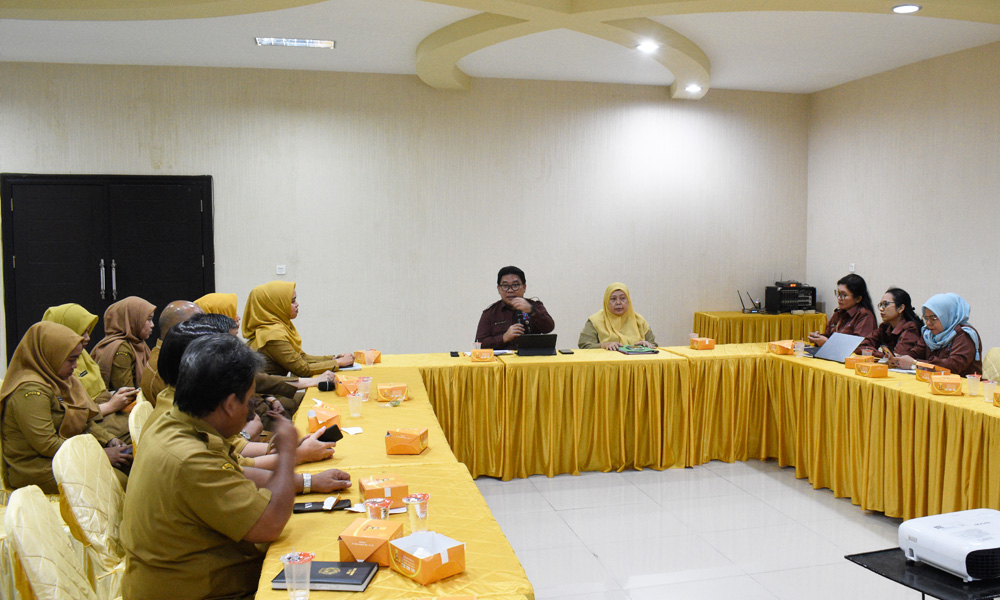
point(965, 543)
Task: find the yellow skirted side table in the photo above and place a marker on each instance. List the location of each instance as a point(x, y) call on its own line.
point(592, 411)
point(929, 454)
point(818, 409)
point(728, 404)
point(734, 327)
point(368, 448)
point(456, 509)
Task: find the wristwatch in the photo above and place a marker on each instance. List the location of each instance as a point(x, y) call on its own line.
point(307, 483)
point(245, 435)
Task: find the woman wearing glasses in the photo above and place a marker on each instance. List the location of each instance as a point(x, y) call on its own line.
point(947, 338)
point(616, 324)
point(900, 328)
point(855, 314)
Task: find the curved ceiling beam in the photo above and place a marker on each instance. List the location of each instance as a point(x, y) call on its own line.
point(439, 53)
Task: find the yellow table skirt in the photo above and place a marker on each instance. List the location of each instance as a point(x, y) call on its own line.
point(728, 387)
point(456, 510)
point(739, 328)
point(592, 411)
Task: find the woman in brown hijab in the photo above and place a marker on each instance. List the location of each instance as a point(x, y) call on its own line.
point(43, 404)
point(123, 353)
point(268, 328)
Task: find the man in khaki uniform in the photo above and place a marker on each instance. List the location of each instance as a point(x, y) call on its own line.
point(191, 518)
point(176, 312)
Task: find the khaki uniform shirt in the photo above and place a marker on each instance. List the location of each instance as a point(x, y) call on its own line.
point(152, 384)
point(590, 339)
point(280, 358)
point(32, 415)
point(123, 367)
point(187, 508)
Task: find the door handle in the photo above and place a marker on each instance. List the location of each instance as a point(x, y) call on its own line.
point(102, 279)
point(114, 280)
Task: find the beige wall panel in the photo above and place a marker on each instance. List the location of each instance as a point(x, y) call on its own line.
point(393, 204)
point(904, 182)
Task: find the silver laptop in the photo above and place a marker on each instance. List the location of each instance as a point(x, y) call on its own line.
point(839, 346)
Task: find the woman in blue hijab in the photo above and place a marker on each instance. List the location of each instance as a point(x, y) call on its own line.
point(947, 338)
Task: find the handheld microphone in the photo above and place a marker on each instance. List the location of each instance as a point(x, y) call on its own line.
point(326, 386)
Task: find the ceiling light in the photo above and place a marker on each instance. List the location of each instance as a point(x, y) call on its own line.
point(648, 47)
point(905, 9)
point(692, 88)
point(295, 42)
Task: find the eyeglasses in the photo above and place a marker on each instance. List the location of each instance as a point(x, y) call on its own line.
point(882, 305)
point(931, 318)
point(513, 287)
point(841, 295)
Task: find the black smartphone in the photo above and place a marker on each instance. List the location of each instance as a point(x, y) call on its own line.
point(566, 351)
point(332, 434)
point(454, 353)
point(308, 507)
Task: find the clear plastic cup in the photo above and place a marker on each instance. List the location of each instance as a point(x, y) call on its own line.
point(477, 345)
point(866, 352)
point(364, 388)
point(298, 566)
point(354, 404)
point(378, 508)
point(989, 390)
point(416, 509)
point(973, 384)
point(800, 349)
point(370, 357)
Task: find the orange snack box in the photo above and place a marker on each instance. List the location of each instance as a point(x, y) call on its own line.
point(852, 361)
point(346, 384)
point(482, 354)
point(325, 417)
point(387, 392)
point(359, 357)
point(926, 370)
point(368, 540)
point(781, 347)
point(996, 398)
point(872, 369)
point(947, 385)
point(384, 486)
point(702, 343)
point(405, 441)
point(447, 557)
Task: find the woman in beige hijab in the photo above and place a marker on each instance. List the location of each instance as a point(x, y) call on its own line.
point(43, 404)
point(616, 324)
point(268, 328)
point(82, 322)
point(123, 353)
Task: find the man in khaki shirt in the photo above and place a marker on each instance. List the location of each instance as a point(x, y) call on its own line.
point(192, 518)
point(176, 312)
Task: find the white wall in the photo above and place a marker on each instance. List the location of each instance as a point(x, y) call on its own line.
point(904, 181)
point(393, 204)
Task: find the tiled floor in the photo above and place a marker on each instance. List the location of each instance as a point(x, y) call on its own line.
point(744, 530)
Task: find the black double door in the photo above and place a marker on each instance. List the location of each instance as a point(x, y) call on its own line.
point(94, 240)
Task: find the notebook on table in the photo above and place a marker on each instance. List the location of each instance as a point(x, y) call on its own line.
point(334, 576)
point(839, 346)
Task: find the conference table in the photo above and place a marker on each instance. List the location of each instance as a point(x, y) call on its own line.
point(735, 327)
point(887, 444)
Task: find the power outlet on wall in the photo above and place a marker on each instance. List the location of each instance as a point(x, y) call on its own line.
point(850, 267)
point(280, 270)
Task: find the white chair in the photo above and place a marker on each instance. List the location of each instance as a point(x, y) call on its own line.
point(991, 364)
point(44, 563)
point(91, 501)
point(137, 419)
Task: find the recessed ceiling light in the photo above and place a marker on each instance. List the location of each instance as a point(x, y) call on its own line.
point(692, 88)
point(905, 9)
point(648, 47)
point(295, 42)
